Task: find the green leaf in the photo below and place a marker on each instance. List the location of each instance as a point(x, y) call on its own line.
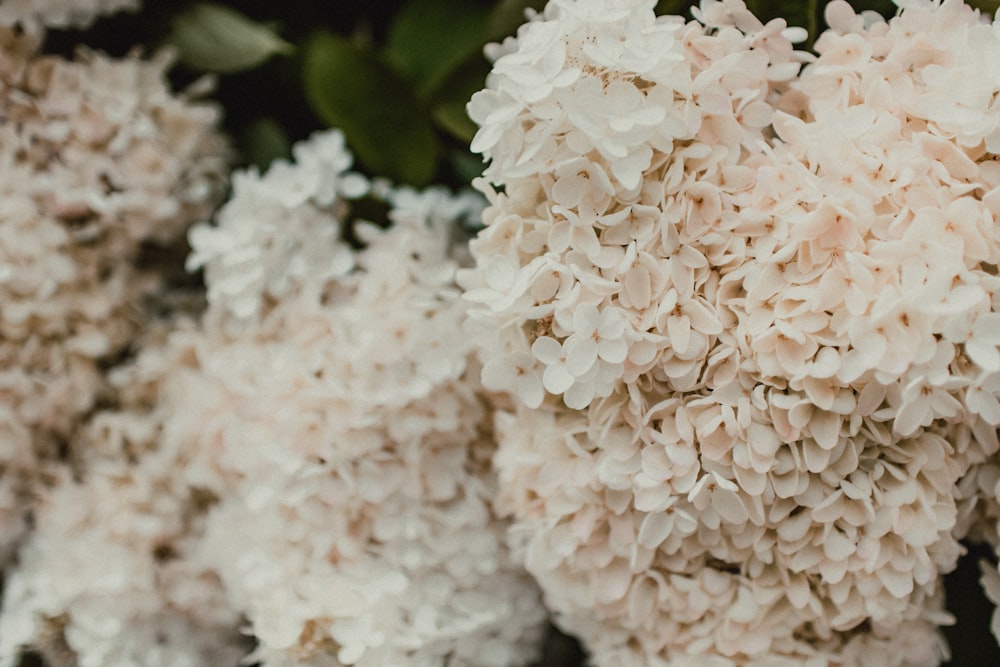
point(219, 39)
point(673, 8)
point(988, 7)
point(453, 118)
point(508, 15)
point(385, 126)
point(466, 165)
point(797, 13)
point(454, 94)
point(429, 38)
point(265, 140)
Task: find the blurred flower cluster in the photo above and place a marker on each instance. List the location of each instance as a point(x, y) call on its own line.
point(704, 370)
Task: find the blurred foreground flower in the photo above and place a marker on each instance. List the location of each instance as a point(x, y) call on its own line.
point(314, 457)
point(99, 158)
point(36, 14)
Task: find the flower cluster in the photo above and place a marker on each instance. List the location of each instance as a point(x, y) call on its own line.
point(315, 454)
point(101, 580)
point(721, 374)
point(750, 320)
point(99, 160)
point(619, 138)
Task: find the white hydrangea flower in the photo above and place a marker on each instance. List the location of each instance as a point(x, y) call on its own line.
point(103, 580)
point(99, 158)
point(620, 102)
point(387, 460)
point(250, 254)
point(809, 362)
point(339, 443)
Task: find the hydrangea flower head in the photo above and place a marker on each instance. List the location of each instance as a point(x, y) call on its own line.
point(322, 456)
point(617, 136)
point(99, 158)
point(750, 370)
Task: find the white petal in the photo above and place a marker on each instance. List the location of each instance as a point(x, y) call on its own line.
point(586, 319)
point(498, 374)
point(581, 354)
point(499, 272)
point(985, 405)
point(529, 390)
point(612, 324)
point(679, 330)
point(654, 529)
point(825, 428)
point(613, 350)
point(556, 379)
point(984, 355)
point(910, 417)
point(837, 546)
point(899, 584)
point(579, 395)
point(547, 350)
point(729, 506)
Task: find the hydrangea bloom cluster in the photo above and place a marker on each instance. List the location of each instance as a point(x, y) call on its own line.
point(34, 14)
point(618, 137)
point(99, 158)
point(750, 369)
point(102, 579)
point(315, 455)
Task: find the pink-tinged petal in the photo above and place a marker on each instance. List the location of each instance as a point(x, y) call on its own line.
point(703, 318)
point(837, 546)
point(679, 330)
point(638, 286)
point(830, 509)
point(871, 398)
point(816, 458)
point(763, 441)
point(614, 581)
point(899, 584)
point(910, 417)
point(729, 506)
point(825, 428)
point(826, 364)
point(864, 357)
point(820, 392)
